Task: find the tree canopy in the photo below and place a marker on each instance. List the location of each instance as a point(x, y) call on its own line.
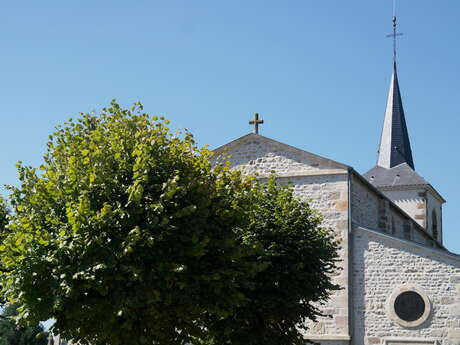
point(126, 234)
point(12, 334)
point(3, 222)
point(3, 214)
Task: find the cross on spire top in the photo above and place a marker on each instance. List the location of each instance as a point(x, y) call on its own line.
point(256, 123)
point(395, 34)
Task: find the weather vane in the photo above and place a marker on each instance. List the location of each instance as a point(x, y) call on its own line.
point(394, 34)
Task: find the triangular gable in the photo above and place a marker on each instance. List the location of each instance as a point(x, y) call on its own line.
point(408, 246)
point(256, 154)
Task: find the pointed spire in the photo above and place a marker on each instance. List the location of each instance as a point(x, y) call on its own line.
point(394, 142)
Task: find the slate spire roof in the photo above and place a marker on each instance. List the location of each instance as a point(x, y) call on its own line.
point(394, 142)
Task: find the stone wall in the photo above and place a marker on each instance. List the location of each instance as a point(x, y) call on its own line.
point(373, 210)
point(412, 201)
point(434, 205)
point(324, 184)
point(329, 195)
point(382, 264)
point(365, 205)
point(420, 204)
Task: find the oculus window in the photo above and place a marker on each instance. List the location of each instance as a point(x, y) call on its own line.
point(409, 306)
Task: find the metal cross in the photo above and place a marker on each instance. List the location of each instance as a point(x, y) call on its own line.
point(256, 123)
point(394, 35)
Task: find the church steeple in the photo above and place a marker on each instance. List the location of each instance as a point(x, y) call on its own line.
point(394, 142)
point(394, 175)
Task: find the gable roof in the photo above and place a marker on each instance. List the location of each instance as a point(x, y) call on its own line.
point(247, 150)
point(394, 142)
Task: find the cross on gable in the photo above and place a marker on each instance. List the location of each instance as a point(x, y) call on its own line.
point(256, 123)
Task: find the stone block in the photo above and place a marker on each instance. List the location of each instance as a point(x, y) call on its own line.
point(341, 205)
point(455, 279)
point(452, 324)
point(341, 300)
point(442, 332)
point(454, 333)
point(318, 328)
point(342, 224)
point(454, 309)
point(447, 300)
point(373, 340)
point(341, 320)
point(421, 205)
point(334, 195)
point(452, 342)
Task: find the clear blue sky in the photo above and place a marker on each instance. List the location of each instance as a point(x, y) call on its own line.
point(317, 71)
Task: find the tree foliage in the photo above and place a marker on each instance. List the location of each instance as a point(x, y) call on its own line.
point(299, 254)
point(3, 223)
point(13, 334)
point(127, 235)
point(3, 214)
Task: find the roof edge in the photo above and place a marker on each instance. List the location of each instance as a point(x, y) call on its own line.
point(439, 251)
point(234, 142)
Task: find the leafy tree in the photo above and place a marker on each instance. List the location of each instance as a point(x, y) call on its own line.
point(300, 256)
point(3, 223)
point(127, 235)
point(3, 214)
point(12, 334)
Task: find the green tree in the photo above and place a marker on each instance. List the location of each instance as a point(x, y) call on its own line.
point(300, 255)
point(3, 214)
point(13, 334)
point(3, 222)
point(127, 235)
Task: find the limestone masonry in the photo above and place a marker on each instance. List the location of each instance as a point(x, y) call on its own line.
point(386, 248)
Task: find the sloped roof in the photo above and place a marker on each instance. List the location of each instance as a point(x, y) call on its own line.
point(400, 175)
point(394, 142)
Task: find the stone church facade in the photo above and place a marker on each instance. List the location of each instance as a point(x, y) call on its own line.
point(400, 284)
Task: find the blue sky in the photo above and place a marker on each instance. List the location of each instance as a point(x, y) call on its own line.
point(317, 71)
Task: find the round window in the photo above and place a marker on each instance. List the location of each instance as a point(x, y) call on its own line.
point(409, 306)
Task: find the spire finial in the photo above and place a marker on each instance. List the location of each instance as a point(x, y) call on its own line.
point(395, 34)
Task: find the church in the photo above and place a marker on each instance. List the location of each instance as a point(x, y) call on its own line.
point(400, 284)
